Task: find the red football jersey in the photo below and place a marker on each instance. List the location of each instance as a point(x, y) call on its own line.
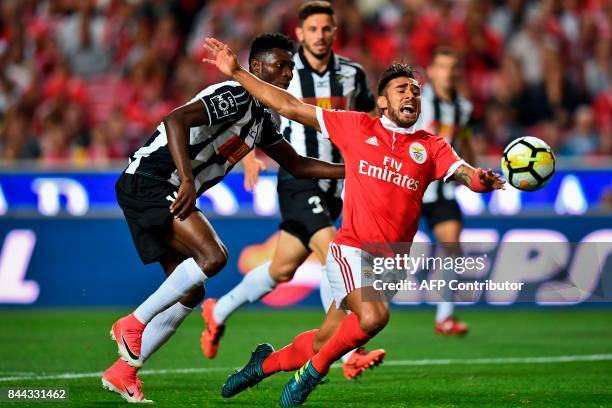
point(387, 172)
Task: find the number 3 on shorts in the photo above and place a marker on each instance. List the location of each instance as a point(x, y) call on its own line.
point(315, 201)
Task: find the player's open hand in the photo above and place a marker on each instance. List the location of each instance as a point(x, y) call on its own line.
point(491, 179)
point(252, 167)
point(185, 200)
point(224, 58)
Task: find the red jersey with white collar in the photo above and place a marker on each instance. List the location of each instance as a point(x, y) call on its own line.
point(387, 171)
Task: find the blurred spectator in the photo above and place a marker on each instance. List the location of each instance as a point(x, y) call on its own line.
point(145, 102)
point(17, 68)
point(482, 51)
point(16, 139)
point(85, 81)
point(498, 130)
point(81, 37)
point(107, 140)
point(602, 106)
point(139, 44)
point(598, 68)
point(508, 18)
point(534, 50)
point(54, 142)
point(187, 80)
point(550, 132)
point(166, 40)
point(583, 139)
point(9, 94)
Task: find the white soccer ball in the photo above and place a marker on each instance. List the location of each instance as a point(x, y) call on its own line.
point(528, 163)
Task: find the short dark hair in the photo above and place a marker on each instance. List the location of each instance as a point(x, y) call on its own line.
point(445, 51)
point(396, 70)
point(315, 7)
point(267, 42)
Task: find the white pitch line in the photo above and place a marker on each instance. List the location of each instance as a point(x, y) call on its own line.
point(17, 373)
point(72, 376)
point(483, 361)
point(503, 360)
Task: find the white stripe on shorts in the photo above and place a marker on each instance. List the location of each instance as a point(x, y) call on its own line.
point(345, 268)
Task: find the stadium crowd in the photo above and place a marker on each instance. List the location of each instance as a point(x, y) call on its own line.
point(84, 81)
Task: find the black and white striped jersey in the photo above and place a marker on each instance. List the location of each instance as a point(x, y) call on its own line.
point(343, 86)
point(446, 119)
point(236, 123)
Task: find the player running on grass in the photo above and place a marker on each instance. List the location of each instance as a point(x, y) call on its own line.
point(309, 208)
point(194, 147)
point(389, 165)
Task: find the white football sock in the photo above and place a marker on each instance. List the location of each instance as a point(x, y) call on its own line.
point(186, 276)
point(253, 287)
point(161, 328)
point(444, 310)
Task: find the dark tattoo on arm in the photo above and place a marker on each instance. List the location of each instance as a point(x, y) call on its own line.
point(461, 176)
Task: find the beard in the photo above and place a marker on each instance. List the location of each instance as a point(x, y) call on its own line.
point(318, 55)
point(396, 117)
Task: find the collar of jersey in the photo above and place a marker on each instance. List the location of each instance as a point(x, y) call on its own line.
point(389, 125)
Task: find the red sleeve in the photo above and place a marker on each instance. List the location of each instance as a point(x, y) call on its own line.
point(339, 126)
point(445, 159)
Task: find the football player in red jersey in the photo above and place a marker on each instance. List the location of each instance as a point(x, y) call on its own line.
point(308, 208)
point(388, 166)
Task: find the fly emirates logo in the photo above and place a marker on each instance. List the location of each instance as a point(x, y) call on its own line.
point(390, 172)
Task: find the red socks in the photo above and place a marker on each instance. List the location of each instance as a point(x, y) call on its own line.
point(349, 336)
point(292, 356)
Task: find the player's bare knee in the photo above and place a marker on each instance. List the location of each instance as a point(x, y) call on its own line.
point(282, 273)
point(212, 262)
point(373, 320)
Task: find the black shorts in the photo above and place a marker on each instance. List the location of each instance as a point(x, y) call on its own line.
point(305, 208)
point(440, 211)
point(147, 212)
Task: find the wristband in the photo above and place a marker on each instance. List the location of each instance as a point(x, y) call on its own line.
point(477, 185)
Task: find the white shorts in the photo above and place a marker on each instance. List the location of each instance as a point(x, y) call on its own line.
point(343, 269)
point(349, 268)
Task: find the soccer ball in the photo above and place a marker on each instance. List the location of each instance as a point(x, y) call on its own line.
point(528, 163)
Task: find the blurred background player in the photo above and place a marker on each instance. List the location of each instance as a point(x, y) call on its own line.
point(193, 149)
point(445, 112)
point(309, 208)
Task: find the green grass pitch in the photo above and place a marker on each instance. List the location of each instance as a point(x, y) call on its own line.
point(37, 348)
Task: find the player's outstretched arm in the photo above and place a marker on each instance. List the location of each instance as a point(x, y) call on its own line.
point(300, 166)
point(177, 124)
point(273, 97)
point(477, 179)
